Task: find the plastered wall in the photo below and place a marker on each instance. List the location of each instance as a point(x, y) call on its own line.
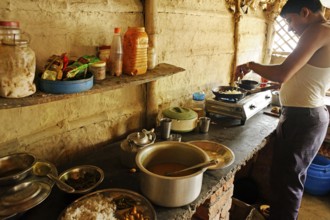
point(193, 34)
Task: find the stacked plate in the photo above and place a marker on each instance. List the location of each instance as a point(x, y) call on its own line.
point(21, 190)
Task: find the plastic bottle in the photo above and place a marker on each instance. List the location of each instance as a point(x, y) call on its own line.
point(135, 47)
point(198, 103)
point(116, 54)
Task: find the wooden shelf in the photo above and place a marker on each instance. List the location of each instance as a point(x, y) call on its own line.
point(110, 83)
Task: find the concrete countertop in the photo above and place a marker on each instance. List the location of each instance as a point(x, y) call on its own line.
point(243, 140)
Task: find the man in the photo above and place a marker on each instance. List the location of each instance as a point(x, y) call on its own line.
point(305, 78)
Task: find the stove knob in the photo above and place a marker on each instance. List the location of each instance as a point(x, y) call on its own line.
point(252, 107)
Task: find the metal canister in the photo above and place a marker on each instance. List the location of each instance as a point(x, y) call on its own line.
point(18, 66)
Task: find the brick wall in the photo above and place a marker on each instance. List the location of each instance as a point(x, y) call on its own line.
point(218, 205)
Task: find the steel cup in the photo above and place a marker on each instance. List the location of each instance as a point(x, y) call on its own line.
point(165, 128)
point(204, 124)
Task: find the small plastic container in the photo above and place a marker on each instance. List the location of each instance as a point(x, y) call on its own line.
point(98, 69)
point(198, 103)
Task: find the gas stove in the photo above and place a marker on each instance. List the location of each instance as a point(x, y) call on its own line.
point(242, 109)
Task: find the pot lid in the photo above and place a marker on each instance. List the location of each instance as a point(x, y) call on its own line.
point(180, 113)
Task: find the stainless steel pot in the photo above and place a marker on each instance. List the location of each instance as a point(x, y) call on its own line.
point(170, 191)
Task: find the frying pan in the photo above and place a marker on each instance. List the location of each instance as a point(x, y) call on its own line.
point(221, 93)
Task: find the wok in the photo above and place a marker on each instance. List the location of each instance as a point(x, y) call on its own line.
point(221, 93)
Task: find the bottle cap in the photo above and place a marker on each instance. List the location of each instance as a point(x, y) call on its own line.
point(117, 30)
point(199, 96)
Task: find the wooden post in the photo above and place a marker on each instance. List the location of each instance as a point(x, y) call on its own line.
point(152, 30)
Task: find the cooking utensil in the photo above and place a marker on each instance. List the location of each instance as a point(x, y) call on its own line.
point(44, 169)
point(180, 190)
point(15, 167)
point(183, 119)
point(204, 124)
point(22, 197)
point(216, 151)
point(200, 165)
point(133, 143)
point(120, 202)
point(165, 128)
point(83, 178)
point(248, 84)
point(229, 93)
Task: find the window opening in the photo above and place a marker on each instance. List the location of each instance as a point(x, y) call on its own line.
point(284, 40)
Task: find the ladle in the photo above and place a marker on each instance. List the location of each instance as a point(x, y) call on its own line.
point(200, 165)
point(43, 169)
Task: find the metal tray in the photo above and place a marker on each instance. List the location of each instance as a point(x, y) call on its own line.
point(25, 195)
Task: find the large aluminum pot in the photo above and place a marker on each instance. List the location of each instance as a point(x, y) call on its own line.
point(170, 191)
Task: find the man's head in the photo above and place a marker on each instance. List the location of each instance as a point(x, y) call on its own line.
point(295, 6)
point(300, 13)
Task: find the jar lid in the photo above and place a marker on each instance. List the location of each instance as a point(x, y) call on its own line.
point(99, 64)
point(12, 24)
point(180, 113)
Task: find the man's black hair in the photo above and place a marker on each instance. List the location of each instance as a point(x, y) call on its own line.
point(295, 6)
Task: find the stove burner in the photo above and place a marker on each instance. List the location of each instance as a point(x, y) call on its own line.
point(230, 100)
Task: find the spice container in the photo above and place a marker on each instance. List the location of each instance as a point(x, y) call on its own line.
point(17, 72)
point(135, 45)
point(98, 69)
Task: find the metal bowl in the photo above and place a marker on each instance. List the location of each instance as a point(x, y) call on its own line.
point(15, 167)
point(83, 178)
point(248, 84)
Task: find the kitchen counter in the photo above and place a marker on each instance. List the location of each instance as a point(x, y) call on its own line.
point(243, 140)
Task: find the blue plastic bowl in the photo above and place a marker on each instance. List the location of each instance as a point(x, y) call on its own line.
point(66, 87)
point(318, 176)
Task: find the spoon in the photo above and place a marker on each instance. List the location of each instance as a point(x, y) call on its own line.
point(200, 165)
point(43, 169)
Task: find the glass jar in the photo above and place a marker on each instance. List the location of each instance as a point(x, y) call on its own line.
point(135, 45)
point(18, 66)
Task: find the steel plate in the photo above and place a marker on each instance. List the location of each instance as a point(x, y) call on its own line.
point(117, 197)
point(216, 151)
